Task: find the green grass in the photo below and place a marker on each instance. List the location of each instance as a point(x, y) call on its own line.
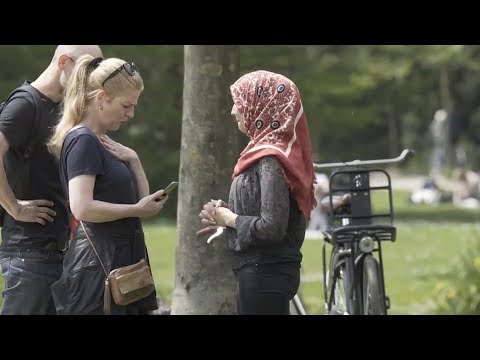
point(428, 238)
point(425, 247)
point(161, 240)
point(422, 253)
point(404, 211)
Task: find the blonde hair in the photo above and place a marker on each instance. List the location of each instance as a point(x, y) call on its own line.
point(83, 86)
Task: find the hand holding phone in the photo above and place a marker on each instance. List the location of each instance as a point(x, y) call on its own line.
point(168, 189)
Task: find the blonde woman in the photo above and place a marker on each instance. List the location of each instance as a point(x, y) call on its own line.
point(105, 183)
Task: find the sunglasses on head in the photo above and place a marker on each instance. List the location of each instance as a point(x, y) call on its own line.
point(130, 68)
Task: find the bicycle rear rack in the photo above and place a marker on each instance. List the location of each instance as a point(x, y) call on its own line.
point(354, 233)
point(356, 182)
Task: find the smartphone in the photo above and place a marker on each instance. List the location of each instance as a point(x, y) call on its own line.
point(170, 187)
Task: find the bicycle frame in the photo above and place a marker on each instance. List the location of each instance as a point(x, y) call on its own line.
point(354, 282)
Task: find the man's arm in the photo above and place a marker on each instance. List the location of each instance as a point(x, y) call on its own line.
point(16, 120)
point(21, 210)
point(7, 198)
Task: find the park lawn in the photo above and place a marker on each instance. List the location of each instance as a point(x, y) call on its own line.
point(405, 211)
point(161, 240)
point(423, 250)
point(422, 253)
point(428, 240)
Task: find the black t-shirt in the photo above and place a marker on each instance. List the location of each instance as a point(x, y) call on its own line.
point(83, 154)
point(18, 124)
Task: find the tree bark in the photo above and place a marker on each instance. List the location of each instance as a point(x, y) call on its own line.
point(392, 131)
point(446, 104)
point(204, 281)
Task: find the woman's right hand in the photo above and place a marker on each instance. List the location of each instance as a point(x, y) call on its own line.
point(152, 204)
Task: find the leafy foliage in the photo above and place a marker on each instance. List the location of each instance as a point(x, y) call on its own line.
point(361, 101)
point(458, 291)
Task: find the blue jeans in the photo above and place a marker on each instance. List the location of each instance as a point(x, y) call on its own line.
point(28, 276)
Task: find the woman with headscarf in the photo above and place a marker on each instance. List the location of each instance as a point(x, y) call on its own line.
point(271, 196)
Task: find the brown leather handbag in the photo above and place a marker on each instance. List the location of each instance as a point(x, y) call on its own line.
point(131, 283)
point(125, 284)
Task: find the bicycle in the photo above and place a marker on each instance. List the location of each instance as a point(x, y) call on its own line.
point(354, 283)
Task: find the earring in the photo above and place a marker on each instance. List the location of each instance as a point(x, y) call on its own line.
point(101, 107)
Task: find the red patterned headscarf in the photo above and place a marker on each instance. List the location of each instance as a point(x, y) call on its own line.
point(277, 126)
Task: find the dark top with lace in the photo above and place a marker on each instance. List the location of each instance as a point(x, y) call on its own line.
point(270, 227)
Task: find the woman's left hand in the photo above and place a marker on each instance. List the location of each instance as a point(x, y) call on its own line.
point(118, 150)
point(215, 213)
point(224, 217)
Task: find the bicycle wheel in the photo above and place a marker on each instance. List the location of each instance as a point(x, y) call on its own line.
point(373, 299)
point(296, 306)
point(293, 308)
point(337, 302)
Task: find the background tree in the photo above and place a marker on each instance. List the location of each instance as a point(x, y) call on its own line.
point(204, 282)
point(361, 101)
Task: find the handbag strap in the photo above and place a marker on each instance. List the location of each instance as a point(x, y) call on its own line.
point(107, 301)
point(95, 250)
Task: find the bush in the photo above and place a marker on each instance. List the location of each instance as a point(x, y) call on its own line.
point(458, 291)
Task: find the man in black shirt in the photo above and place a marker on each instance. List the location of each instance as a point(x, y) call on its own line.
point(35, 226)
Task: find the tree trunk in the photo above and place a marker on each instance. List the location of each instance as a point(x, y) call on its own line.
point(392, 131)
point(394, 139)
point(445, 100)
point(204, 281)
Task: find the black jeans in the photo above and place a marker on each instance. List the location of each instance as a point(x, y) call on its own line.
point(266, 289)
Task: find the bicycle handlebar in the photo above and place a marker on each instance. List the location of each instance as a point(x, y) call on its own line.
point(401, 157)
